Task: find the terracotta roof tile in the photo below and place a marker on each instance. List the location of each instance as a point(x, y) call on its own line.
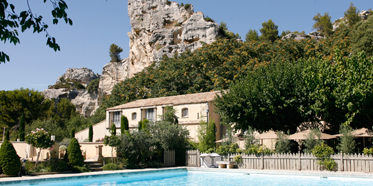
point(170, 100)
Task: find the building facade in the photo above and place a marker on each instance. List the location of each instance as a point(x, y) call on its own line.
point(190, 109)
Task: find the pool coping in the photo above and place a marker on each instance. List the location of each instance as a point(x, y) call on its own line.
point(67, 176)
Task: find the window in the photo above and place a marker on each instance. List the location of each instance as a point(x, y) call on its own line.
point(184, 112)
point(149, 114)
point(134, 116)
point(116, 119)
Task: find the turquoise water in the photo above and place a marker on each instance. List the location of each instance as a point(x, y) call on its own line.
point(206, 178)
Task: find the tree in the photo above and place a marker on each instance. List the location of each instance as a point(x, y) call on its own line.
point(206, 136)
point(93, 86)
point(90, 135)
point(170, 116)
point(323, 24)
point(346, 141)
point(225, 33)
point(123, 124)
point(143, 124)
point(113, 140)
point(49, 125)
point(312, 140)
point(114, 52)
point(352, 16)
point(74, 153)
point(269, 31)
point(41, 139)
point(72, 134)
point(362, 37)
point(22, 128)
point(10, 162)
point(10, 21)
point(283, 143)
point(252, 35)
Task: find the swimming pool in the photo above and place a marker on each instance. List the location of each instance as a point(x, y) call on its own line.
point(190, 178)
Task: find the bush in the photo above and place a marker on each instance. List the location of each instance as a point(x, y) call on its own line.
point(232, 148)
point(74, 153)
point(258, 149)
point(111, 166)
point(187, 6)
point(323, 152)
point(208, 19)
point(79, 169)
point(367, 151)
point(57, 165)
point(9, 160)
point(93, 86)
point(153, 164)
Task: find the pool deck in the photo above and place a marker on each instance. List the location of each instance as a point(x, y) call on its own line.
point(324, 174)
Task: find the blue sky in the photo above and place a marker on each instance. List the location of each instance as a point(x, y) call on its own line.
point(99, 23)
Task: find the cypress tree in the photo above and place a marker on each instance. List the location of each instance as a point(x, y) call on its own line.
point(113, 130)
point(7, 135)
point(9, 160)
point(75, 155)
point(90, 137)
point(123, 124)
point(22, 128)
point(72, 135)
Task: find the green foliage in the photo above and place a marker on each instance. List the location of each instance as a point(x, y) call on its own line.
point(11, 21)
point(22, 128)
point(39, 138)
point(323, 24)
point(168, 135)
point(113, 130)
point(352, 16)
point(168, 2)
point(123, 124)
point(74, 153)
point(68, 84)
point(258, 149)
point(323, 152)
point(6, 135)
point(93, 86)
point(283, 143)
point(90, 133)
point(206, 135)
point(208, 19)
point(112, 141)
point(312, 140)
point(269, 31)
point(367, 151)
point(114, 52)
point(143, 124)
point(9, 160)
point(72, 133)
point(49, 125)
point(111, 166)
point(250, 138)
point(237, 159)
point(170, 116)
point(28, 102)
point(79, 169)
point(225, 33)
point(187, 6)
point(346, 141)
point(252, 35)
point(362, 37)
point(225, 149)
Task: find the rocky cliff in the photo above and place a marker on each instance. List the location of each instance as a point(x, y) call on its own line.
point(159, 27)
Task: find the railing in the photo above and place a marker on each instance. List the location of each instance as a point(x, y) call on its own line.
point(298, 161)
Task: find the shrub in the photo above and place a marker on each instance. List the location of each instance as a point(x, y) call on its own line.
point(153, 164)
point(93, 86)
point(79, 169)
point(323, 152)
point(9, 160)
point(187, 6)
point(232, 148)
point(258, 149)
point(237, 159)
point(346, 141)
point(74, 153)
point(168, 2)
point(208, 19)
point(367, 151)
point(57, 165)
point(123, 124)
point(111, 166)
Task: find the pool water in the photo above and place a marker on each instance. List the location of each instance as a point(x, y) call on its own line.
point(207, 178)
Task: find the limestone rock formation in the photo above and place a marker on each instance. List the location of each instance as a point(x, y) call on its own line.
point(161, 27)
point(294, 36)
point(112, 73)
point(82, 75)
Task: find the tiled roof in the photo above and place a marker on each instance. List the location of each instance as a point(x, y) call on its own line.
point(170, 100)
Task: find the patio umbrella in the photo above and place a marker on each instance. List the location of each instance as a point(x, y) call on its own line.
point(360, 133)
point(267, 135)
point(303, 135)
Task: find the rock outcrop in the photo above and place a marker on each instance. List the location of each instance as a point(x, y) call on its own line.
point(161, 27)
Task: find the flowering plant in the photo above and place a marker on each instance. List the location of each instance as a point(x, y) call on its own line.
point(41, 139)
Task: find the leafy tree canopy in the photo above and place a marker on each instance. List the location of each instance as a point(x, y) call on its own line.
point(11, 21)
point(352, 16)
point(323, 24)
point(362, 36)
point(114, 52)
point(269, 31)
point(252, 35)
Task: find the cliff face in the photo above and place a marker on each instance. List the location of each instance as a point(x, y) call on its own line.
point(159, 28)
